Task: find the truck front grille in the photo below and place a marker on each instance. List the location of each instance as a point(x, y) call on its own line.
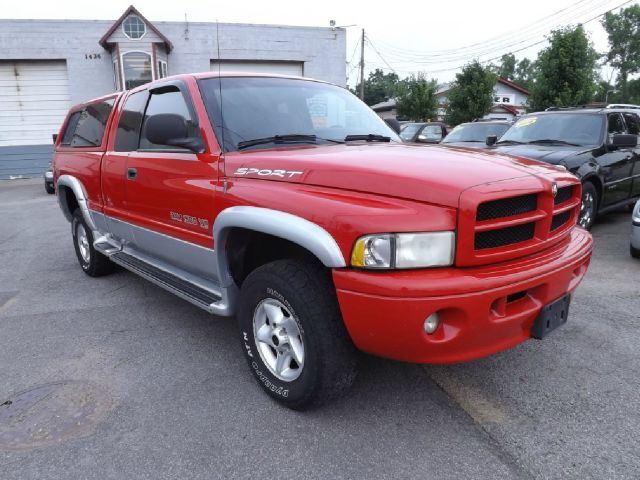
point(507, 207)
point(520, 217)
point(504, 236)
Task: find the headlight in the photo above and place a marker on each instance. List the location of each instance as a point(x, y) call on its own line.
point(404, 250)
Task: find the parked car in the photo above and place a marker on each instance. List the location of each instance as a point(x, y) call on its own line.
point(635, 231)
point(314, 226)
point(600, 146)
point(426, 132)
point(48, 180)
point(474, 134)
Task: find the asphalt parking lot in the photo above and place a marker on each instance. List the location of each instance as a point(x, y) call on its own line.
point(114, 378)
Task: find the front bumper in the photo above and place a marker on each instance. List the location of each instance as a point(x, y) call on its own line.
point(482, 310)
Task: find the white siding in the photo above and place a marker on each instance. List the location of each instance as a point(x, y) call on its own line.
point(280, 68)
point(34, 99)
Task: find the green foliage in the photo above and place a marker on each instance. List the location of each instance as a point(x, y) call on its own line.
point(507, 68)
point(378, 87)
point(471, 95)
point(416, 98)
point(623, 30)
point(565, 73)
point(524, 73)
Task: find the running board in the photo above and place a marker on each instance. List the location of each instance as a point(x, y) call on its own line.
point(201, 297)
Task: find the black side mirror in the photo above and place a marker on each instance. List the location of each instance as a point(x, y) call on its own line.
point(491, 140)
point(172, 129)
point(55, 137)
point(624, 140)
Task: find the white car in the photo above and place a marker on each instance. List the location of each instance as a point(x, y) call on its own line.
point(635, 231)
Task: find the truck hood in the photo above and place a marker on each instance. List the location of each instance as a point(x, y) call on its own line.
point(553, 154)
point(431, 174)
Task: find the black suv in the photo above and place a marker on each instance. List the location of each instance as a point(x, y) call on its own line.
point(599, 145)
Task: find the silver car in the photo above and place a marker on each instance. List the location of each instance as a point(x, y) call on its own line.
point(635, 231)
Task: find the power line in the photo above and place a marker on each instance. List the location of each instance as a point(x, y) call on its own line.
point(514, 44)
point(438, 59)
point(379, 55)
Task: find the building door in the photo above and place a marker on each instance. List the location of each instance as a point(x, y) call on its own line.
point(34, 100)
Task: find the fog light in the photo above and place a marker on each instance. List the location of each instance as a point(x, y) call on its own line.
point(431, 323)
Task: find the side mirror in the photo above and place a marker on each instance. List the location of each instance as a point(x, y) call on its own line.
point(171, 129)
point(55, 137)
point(624, 140)
point(491, 140)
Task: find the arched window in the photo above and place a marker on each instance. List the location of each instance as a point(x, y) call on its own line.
point(133, 27)
point(136, 67)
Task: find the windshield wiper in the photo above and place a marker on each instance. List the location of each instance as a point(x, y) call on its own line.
point(551, 141)
point(508, 142)
point(368, 138)
point(278, 139)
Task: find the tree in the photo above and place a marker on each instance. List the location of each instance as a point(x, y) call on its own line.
point(606, 92)
point(524, 73)
point(565, 73)
point(378, 87)
point(623, 30)
point(471, 94)
point(416, 98)
point(507, 68)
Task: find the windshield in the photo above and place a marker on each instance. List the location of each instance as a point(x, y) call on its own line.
point(263, 107)
point(409, 131)
point(573, 128)
point(475, 132)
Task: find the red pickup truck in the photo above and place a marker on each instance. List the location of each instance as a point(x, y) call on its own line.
point(288, 203)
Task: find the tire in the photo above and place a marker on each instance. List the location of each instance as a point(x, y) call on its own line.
point(589, 207)
point(48, 187)
point(92, 262)
point(634, 252)
point(319, 360)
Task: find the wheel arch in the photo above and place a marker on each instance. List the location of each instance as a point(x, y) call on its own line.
point(72, 195)
point(292, 229)
point(594, 179)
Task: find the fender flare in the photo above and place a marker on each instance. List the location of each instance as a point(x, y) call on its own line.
point(80, 193)
point(298, 230)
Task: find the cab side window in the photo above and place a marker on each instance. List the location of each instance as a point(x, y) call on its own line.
point(633, 123)
point(70, 129)
point(91, 124)
point(616, 125)
point(128, 132)
point(167, 101)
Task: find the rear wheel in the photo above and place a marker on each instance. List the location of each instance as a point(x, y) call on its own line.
point(292, 334)
point(589, 207)
point(48, 187)
point(634, 252)
point(93, 263)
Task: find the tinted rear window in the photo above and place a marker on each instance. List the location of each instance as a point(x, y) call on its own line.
point(70, 128)
point(91, 124)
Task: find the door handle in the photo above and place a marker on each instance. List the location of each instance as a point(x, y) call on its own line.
point(132, 173)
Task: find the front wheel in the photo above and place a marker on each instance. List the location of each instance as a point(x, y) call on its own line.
point(634, 252)
point(292, 334)
point(589, 207)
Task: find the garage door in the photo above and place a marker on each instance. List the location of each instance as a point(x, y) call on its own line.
point(280, 68)
point(34, 99)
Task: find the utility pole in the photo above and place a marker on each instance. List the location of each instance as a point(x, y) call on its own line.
point(362, 67)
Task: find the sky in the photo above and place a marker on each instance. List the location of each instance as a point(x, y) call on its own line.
point(407, 37)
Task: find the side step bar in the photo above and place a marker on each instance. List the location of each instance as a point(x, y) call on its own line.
point(203, 298)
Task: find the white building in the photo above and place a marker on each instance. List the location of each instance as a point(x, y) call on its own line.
point(46, 66)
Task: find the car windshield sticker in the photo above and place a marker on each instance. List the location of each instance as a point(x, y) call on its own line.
point(526, 122)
